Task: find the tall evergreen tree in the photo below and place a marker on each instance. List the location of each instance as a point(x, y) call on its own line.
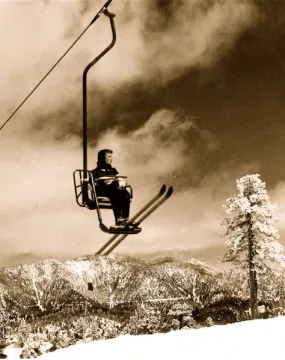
point(250, 236)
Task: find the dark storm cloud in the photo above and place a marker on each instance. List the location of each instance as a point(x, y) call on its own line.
point(244, 95)
point(238, 99)
point(157, 42)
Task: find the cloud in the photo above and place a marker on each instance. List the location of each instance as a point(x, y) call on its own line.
point(38, 213)
point(155, 44)
point(164, 147)
point(198, 34)
point(36, 34)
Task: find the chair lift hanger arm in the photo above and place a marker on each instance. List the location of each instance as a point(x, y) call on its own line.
point(86, 177)
point(84, 126)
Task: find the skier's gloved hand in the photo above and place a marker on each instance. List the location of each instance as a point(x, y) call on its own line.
point(122, 183)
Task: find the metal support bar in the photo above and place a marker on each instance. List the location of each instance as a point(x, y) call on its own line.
point(84, 127)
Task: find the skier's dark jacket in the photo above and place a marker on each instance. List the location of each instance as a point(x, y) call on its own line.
point(104, 169)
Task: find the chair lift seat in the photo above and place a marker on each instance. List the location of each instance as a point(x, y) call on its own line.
point(86, 196)
point(104, 202)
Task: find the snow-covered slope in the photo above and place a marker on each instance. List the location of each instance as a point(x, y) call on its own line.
point(258, 339)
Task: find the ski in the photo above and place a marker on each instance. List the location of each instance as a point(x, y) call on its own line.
point(139, 213)
point(147, 213)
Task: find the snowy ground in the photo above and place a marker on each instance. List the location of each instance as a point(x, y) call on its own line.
point(258, 339)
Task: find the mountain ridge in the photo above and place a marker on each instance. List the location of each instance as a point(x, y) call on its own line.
point(51, 285)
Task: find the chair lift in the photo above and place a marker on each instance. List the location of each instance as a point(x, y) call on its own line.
point(85, 184)
point(95, 202)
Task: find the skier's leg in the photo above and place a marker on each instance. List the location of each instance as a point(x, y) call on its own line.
point(115, 202)
point(120, 200)
point(125, 203)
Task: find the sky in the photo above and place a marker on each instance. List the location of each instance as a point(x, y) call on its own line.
point(191, 95)
point(255, 339)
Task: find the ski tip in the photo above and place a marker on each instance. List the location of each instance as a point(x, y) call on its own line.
point(169, 191)
point(163, 189)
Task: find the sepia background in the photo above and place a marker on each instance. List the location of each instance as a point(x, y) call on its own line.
point(191, 95)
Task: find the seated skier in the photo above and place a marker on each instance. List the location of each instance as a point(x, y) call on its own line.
point(114, 189)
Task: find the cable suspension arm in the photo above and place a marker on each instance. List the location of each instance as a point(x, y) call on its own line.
point(84, 126)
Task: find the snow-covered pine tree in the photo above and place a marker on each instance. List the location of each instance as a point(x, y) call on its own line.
point(250, 236)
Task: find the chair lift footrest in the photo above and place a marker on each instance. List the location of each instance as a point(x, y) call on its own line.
point(122, 229)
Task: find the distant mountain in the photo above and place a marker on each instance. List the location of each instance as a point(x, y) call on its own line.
point(20, 258)
point(50, 286)
point(208, 254)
